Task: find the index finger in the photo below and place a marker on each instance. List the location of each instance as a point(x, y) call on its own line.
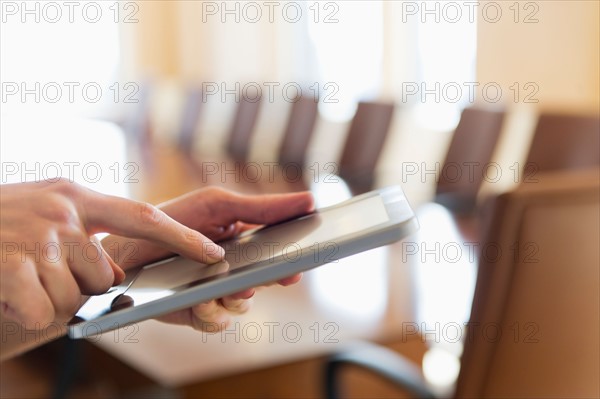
point(136, 219)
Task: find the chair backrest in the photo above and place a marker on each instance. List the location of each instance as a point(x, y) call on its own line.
point(365, 140)
point(298, 132)
point(535, 318)
point(240, 136)
point(564, 142)
point(470, 151)
point(189, 119)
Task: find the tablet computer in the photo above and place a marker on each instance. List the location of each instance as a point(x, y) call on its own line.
point(252, 259)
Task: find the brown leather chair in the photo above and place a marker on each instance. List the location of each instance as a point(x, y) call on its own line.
point(240, 135)
point(289, 174)
point(366, 136)
point(542, 292)
point(470, 150)
point(564, 142)
point(189, 119)
point(298, 132)
point(535, 319)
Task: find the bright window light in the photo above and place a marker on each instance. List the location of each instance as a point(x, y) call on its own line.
point(59, 54)
point(349, 52)
point(446, 50)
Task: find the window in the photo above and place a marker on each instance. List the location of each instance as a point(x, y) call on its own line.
point(348, 42)
point(60, 58)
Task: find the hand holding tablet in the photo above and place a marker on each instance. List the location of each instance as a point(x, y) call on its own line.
point(219, 214)
point(51, 257)
point(251, 259)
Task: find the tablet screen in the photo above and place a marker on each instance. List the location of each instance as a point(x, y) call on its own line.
point(320, 227)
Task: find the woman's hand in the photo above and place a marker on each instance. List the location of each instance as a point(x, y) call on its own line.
point(50, 256)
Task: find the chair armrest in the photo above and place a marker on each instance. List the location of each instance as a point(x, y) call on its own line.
point(379, 360)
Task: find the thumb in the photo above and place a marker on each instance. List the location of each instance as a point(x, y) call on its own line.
point(272, 208)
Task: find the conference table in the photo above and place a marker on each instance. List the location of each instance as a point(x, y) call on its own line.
point(369, 296)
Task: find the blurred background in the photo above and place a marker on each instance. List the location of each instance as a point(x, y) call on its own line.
point(486, 113)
